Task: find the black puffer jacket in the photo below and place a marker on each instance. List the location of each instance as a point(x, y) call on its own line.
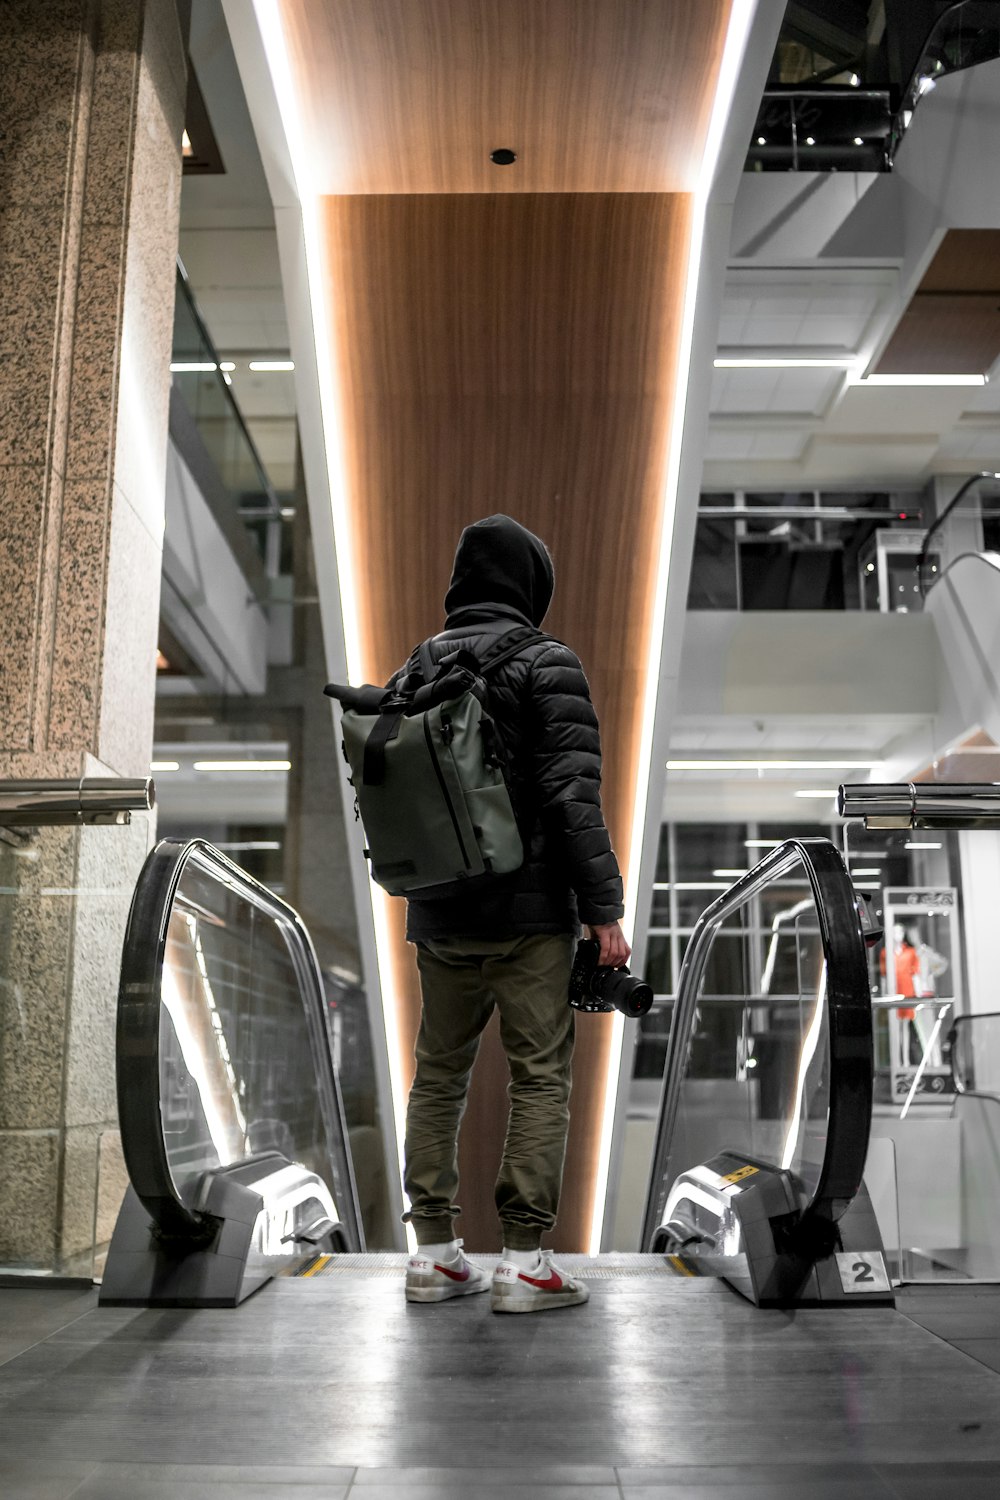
point(540, 701)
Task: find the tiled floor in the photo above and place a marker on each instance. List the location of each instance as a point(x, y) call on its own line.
point(658, 1389)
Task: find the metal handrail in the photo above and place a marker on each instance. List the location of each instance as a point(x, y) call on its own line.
point(936, 525)
point(848, 999)
point(273, 508)
point(929, 804)
point(83, 800)
point(967, 1020)
point(138, 1036)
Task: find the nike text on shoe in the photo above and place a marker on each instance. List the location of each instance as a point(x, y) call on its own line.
point(429, 1280)
point(516, 1290)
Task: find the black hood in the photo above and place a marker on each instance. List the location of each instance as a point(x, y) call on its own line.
point(498, 561)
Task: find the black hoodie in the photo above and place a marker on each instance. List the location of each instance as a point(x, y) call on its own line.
point(503, 576)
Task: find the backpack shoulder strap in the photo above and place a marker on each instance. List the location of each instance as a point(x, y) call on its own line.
point(508, 647)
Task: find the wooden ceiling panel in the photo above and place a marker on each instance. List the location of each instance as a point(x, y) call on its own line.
point(411, 96)
point(952, 323)
point(517, 354)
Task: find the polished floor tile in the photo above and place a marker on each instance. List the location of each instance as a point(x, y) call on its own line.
point(675, 1383)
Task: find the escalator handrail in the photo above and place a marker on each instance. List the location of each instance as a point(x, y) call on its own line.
point(138, 1033)
point(848, 1001)
point(939, 521)
point(966, 1020)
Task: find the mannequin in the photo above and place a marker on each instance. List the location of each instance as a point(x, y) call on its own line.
point(906, 966)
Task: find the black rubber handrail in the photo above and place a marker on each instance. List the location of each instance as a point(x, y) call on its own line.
point(952, 1037)
point(848, 1000)
point(138, 1036)
point(936, 525)
point(912, 94)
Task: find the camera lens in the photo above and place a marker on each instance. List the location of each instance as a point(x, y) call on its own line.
point(632, 996)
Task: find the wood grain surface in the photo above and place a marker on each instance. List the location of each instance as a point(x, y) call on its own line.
point(411, 96)
point(517, 354)
point(952, 323)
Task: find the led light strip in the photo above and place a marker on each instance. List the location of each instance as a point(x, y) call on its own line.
point(269, 21)
point(268, 13)
point(740, 19)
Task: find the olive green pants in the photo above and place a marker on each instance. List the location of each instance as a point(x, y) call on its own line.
point(462, 980)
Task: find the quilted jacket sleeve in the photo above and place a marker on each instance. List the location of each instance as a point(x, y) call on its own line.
point(567, 767)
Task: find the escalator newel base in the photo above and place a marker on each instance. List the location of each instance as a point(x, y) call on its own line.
point(741, 1220)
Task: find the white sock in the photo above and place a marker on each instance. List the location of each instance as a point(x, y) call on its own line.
point(446, 1252)
point(528, 1260)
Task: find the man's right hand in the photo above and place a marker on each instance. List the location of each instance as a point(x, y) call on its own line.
point(614, 949)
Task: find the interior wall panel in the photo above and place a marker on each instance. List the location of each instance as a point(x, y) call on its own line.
point(512, 353)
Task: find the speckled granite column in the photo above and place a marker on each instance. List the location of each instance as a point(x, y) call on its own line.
point(91, 104)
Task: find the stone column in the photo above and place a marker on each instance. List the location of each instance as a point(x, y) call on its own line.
point(92, 105)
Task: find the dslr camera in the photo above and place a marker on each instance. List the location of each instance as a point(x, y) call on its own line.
point(597, 990)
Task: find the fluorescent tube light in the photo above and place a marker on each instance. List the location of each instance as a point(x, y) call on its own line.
point(762, 843)
point(239, 766)
point(914, 845)
point(903, 380)
point(859, 874)
point(825, 794)
point(770, 765)
point(191, 366)
point(265, 366)
point(248, 844)
point(734, 874)
point(226, 364)
point(164, 765)
point(779, 362)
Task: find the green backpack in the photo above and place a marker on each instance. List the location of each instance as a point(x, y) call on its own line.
point(427, 769)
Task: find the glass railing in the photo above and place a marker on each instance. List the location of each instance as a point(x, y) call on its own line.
point(965, 35)
point(968, 524)
point(777, 1071)
point(64, 903)
point(820, 129)
point(225, 1064)
point(200, 377)
point(928, 860)
point(973, 1047)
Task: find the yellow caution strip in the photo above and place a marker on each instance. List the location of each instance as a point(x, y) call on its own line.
point(680, 1266)
point(317, 1265)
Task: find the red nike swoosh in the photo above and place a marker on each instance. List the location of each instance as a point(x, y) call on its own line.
point(462, 1275)
point(552, 1283)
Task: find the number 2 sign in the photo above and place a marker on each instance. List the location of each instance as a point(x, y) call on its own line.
point(863, 1271)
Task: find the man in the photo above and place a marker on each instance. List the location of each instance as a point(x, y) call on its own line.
point(511, 944)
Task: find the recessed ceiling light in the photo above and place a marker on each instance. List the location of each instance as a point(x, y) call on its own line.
point(770, 765)
point(271, 366)
point(921, 380)
point(240, 766)
point(779, 362)
point(858, 141)
point(810, 141)
point(761, 140)
point(854, 80)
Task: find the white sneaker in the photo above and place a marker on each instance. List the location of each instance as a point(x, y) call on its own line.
point(515, 1290)
point(429, 1280)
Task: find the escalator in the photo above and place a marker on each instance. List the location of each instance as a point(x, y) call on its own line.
point(766, 1106)
point(231, 1117)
